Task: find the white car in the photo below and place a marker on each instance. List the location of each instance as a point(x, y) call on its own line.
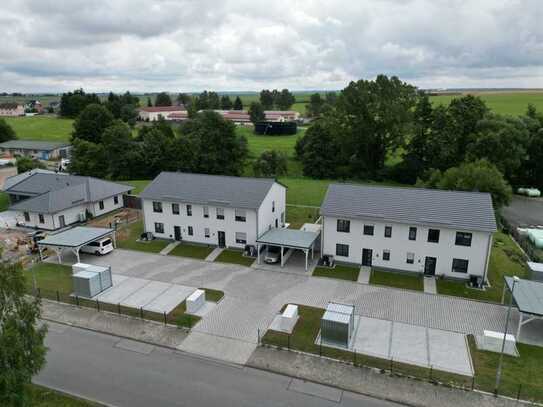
point(272, 255)
point(99, 247)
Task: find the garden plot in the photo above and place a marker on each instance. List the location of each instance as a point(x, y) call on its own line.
point(154, 296)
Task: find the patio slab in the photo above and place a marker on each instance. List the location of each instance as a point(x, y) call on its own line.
point(146, 294)
point(448, 351)
point(118, 293)
point(409, 344)
point(169, 299)
point(373, 337)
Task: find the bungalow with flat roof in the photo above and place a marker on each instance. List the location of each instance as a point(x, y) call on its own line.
point(43, 150)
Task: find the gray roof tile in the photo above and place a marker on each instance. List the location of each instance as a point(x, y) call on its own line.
point(450, 209)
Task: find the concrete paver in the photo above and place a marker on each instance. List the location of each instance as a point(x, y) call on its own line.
point(409, 344)
point(169, 299)
point(169, 248)
point(364, 275)
point(144, 295)
point(373, 337)
point(124, 289)
point(214, 254)
point(448, 351)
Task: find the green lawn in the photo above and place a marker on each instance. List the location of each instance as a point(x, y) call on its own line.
point(191, 250)
point(139, 185)
point(397, 280)
point(39, 396)
point(50, 128)
point(297, 216)
point(130, 240)
point(340, 272)
point(213, 295)
point(234, 257)
point(4, 201)
point(506, 259)
point(258, 144)
point(50, 277)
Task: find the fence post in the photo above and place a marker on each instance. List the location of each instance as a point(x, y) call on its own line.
point(431, 367)
point(473, 383)
point(141, 312)
point(288, 342)
point(519, 390)
point(165, 319)
point(258, 336)
point(98, 305)
point(391, 366)
point(58, 296)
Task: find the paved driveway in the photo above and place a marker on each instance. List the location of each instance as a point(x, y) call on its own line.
point(253, 297)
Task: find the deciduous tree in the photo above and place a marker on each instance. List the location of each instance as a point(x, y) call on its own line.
point(6, 131)
point(238, 104)
point(91, 123)
point(163, 99)
point(256, 112)
point(270, 163)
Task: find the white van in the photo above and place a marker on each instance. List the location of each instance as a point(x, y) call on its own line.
point(102, 246)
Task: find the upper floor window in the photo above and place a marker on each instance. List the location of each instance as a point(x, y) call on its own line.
point(101, 205)
point(460, 266)
point(343, 225)
point(157, 207)
point(388, 231)
point(116, 199)
point(241, 215)
point(368, 230)
point(206, 212)
point(220, 213)
point(273, 206)
point(342, 250)
point(189, 210)
point(175, 209)
point(433, 235)
point(463, 239)
point(412, 233)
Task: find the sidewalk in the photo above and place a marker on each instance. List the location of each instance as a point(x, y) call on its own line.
point(369, 381)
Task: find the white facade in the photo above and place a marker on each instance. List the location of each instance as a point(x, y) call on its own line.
point(152, 114)
point(68, 216)
point(400, 247)
point(205, 230)
point(12, 109)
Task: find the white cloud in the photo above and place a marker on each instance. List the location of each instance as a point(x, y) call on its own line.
point(191, 45)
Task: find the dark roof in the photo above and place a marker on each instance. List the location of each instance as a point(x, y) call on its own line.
point(33, 145)
point(450, 209)
point(51, 192)
point(217, 190)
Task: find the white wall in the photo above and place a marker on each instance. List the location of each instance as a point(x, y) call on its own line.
point(266, 217)
point(109, 205)
point(228, 225)
point(399, 245)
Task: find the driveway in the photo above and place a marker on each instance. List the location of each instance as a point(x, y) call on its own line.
point(254, 296)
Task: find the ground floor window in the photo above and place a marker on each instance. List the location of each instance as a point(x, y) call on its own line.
point(116, 199)
point(386, 255)
point(159, 227)
point(342, 250)
point(191, 231)
point(241, 237)
point(27, 216)
point(101, 205)
point(41, 218)
point(206, 232)
point(410, 258)
point(460, 266)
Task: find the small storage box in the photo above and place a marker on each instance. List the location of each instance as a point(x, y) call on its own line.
point(195, 301)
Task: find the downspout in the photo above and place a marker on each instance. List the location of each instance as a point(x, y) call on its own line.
point(489, 247)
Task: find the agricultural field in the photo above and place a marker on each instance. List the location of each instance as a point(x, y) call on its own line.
point(46, 127)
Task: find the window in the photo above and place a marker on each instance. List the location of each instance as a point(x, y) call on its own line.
point(157, 207)
point(241, 237)
point(386, 255)
point(206, 232)
point(175, 209)
point(206, 212)
point(273, 206)
point(459, 266)
point(342, 250)
point(388, 231)
point(40, 216)
point(101, 205)
point(189, 210)
point(433, 235)
point(27, 216)
point(410, 258)
point(159, 227)
point(220, 213)
point(463, 239)
point(412, 233)
point(343, 225)
point(368, 230)
point(191, 231)
point(240, 215)
point(116, 199)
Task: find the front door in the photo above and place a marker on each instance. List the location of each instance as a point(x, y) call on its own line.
point(222, 239)
point(177, 232)
point(62, 221)
point(430, 266)
point(367, 254)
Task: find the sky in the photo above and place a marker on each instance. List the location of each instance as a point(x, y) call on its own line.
point(238, 45)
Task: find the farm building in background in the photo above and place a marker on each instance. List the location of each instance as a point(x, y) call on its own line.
point(153, 113)
point(12, 109)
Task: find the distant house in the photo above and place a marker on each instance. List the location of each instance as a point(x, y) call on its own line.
point(43, 150)
point(152, 113)
point(242, 116)
point(48, 200)
point(12, 109)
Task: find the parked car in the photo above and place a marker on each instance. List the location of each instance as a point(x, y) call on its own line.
point(272, 255)
point(99, 247)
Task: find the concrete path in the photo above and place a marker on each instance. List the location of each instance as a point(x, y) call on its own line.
point(214, 254)
point(364, 275)
point(430, 285)
point(169, 248)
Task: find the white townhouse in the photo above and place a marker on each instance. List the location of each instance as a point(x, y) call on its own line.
point(212, 209)
point(49, 200)
point(429, 231)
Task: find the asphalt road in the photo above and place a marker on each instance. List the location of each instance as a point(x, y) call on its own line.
point(126, 373)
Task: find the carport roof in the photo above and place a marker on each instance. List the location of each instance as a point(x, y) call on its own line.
point(299, 239)
point(528, 295)
point(75, 237)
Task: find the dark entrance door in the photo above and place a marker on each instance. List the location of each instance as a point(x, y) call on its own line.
point(62, 221)
point(367, 254)
point(222, 239)
point(177, 232)
point(430, 266)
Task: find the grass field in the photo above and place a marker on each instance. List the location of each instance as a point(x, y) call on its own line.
point(339, 272)
point(397, 280)
point(4, 201)
point(47, 128)
point(130, 241)
point(191, 250)
point(234, 257)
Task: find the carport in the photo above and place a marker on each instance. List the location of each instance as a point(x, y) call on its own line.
point(290, 239)
point(74, 239)
point(528, 296)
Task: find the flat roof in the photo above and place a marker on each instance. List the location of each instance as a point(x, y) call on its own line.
point(75, 237)
point(528, 295)
point(288, 238)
